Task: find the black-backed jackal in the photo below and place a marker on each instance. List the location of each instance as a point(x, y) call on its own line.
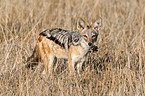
point(70, 45)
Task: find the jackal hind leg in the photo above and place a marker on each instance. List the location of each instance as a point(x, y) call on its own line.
point(48, 63)
point(46, 56)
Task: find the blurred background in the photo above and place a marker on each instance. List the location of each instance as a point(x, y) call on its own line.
point(116, 69)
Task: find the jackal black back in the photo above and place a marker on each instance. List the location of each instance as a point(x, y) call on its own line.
point(62, 37)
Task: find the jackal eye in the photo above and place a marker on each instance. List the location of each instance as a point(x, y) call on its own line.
point(85, 36)
point(94, 36)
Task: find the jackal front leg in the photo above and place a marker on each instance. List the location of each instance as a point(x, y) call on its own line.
point(71, 65)
point(79, 65)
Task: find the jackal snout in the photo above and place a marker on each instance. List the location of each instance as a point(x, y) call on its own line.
point(90, 44)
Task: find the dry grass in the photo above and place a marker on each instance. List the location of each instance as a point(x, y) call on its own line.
point(117, 69)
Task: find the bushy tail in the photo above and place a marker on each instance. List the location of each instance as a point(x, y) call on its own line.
point(33, 59)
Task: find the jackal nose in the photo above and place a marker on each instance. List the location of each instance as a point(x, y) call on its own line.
point(90, 44)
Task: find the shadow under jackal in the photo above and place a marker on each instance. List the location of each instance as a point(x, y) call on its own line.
point(65, 44)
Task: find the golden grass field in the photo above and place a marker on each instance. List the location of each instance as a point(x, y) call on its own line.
point(116, 69)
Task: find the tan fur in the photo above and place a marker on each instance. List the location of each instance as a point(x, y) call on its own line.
point(47, 49)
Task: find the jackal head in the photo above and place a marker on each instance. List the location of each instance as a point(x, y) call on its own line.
point(89, 33)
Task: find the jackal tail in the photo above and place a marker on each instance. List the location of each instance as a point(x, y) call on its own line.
point(33, 59)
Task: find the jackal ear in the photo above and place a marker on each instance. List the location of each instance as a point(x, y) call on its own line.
point(97, 24)
point(81, 24)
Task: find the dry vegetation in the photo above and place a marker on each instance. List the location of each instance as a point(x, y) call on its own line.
point(117, 69)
